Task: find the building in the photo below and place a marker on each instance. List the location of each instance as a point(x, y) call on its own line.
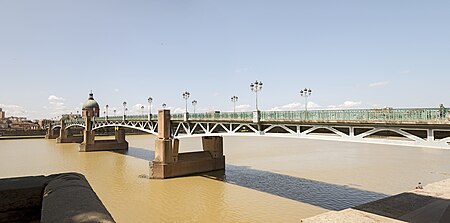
point(2, 114)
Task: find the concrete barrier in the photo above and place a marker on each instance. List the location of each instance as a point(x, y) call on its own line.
point(66, 197)
point(21, 198)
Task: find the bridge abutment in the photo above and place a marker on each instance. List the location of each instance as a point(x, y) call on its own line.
point(65, 135)
point(50, 133)
point(169, 162)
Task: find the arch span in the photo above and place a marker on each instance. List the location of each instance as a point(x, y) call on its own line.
point(75, 125)
point(126, 126)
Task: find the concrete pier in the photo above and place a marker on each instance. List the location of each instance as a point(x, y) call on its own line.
point(51, 133)
point(91, 109)
point(169, 162)
point(90, 144)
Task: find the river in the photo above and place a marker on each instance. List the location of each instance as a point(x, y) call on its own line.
point(267, 179)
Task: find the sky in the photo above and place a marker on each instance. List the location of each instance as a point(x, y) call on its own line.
point(352, 54)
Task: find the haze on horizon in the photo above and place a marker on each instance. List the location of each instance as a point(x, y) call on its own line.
point(352, 54)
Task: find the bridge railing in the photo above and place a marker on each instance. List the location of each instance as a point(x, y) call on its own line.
point(240, 116)
point(74, 121)
point(416, 114)
point(393, 115)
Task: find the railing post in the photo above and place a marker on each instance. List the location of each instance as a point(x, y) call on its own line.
point(256, 116)
point(186, 116)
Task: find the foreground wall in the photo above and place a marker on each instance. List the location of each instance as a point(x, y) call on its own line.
point(66, 197)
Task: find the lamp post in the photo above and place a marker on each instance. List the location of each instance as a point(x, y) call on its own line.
point(186, 96)
point(149, 100)
point(106, 106)
point(194, 103)
point(124, 109)
point(306, 93)
point(255, 87)
point(115, 112)
point(142, 110)
point(234, 99)
point(164, 105)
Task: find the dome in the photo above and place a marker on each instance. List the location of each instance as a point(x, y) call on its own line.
point(91, 103)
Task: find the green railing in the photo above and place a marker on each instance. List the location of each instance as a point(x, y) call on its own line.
point(368, 115)
point(240, 116)
point(418, 114)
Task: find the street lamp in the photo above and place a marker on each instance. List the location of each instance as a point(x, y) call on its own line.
point(234, 99)
point(142, 110)
point(306, 93)
point(149, 100)
point(194, 103)
point(255, 87)
point(115, 112)
point(186, 95)
point(107, 106)
point(164, 105)
point(124, 108)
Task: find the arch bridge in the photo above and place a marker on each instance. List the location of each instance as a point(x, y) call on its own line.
point(428, 127)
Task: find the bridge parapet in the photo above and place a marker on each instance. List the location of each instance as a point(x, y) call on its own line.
point(382, 116)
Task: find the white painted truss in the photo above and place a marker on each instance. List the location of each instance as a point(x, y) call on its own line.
point(423, 136)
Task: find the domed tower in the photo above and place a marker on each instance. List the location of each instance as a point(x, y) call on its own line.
point(91, 107)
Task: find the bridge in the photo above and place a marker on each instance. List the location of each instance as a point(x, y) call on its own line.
point(426, 127)
point(429, 127)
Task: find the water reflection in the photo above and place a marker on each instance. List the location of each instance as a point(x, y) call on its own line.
point(139, 153)
point(321, 194)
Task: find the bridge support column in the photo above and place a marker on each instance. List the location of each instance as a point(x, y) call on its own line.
point(430, 135)
point(169, 162)
point(50, 133)
point(90, 144)
point(66, 136)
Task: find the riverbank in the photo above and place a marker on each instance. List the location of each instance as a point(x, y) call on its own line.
point(22, 137)
point(430, 204)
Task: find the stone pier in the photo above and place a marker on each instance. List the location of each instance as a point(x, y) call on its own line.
point(169, 162)
point(90, 110)
point(65, 135)
point(50, 133)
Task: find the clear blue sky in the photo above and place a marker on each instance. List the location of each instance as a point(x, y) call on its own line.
point(352, 54)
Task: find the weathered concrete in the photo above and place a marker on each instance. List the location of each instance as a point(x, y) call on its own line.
point(430, 204)
point(70, 198)
point(21, 198)
point(169, 162)
point(66, 197)
point(119, 143)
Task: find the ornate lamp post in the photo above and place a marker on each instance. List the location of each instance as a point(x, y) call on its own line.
point(124, 109)
point(106, 106)
point(234, 99)
point(186, 96)
point(194, 103)
point(149, 100)
point(255, 87)
point(306, 93)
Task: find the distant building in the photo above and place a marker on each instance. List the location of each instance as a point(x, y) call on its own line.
point(17, 123)
point(2, 114)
